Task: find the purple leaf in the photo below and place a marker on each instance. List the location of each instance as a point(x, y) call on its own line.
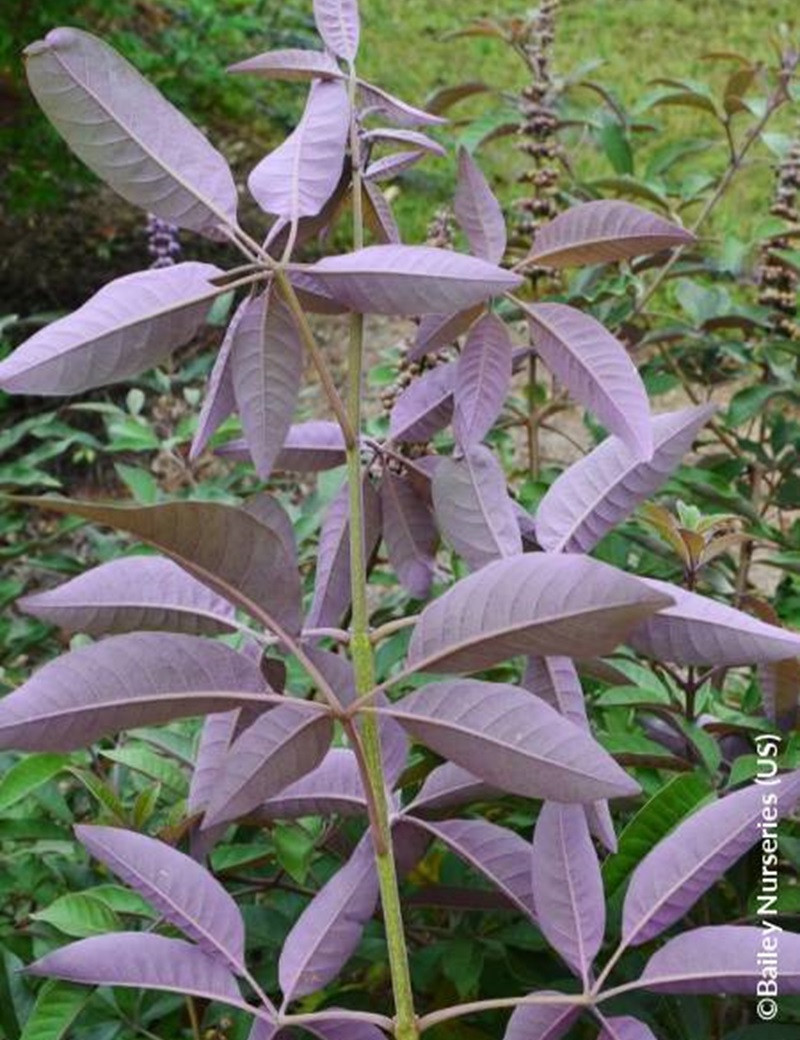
point(596, 369)
point(332, 584)
point(298, 178)
point(328, 931)
point(310, 291)
point(309, 447)
point(333, 787)
point(542, 1021)
point(478, 211)
point(268, 511)
point(483, 380)
point(603, 488)
point(410, 280)
point(685, 864)
point(224, 547)
point(140, 959)
point(623, 1027)
point(97, 100)
point(133, 593)
point(724, 959)
point(424, 407)
point(125, 682)
point(291, 64)
point(555, 680)
point(266, 369)
point(473, 509)
point(183, 892)
point(441, 330)
point(277, 749)
point(502, 856)
point(127, 327)
point(397, 111)
point(343, 1028)
point(390, 166)
point(338, 25)
point(598, 232)
point(567, 886)
point(410, 534)
point(219, 401)
point(601, 824)
point(378, 214)
point(698, 630)
point(412, 137)
point(216, 738)
point(516, 743)
point(532, 604)
point(448, 787)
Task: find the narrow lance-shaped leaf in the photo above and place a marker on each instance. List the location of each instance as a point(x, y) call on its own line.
point(266, 371)
point(473, 509)
point(536, 603)
point(412, 137)
point(141, 960)
point(290, 64)
point(298, 178)
point(391, 166)
point(125, 682)
point(722, 959)
point(502, 856)
point(378, 214)
point(424, 407)
point(441, 330)
point(57, 1006)
point(333, 787)
point(698, 630)
point(219, 401)
point(222, 546)
point(135, 593)
point(542, 1021)
point(128, 133)
point(449, 786)
point(567, 886)
point(181, 890)
point(216, 738)
point(328, 931)
point(338, 25)
point(595, 368)
point(309, 447)
point(28, 775)
point(127, 327)
point(478, 211)
point(277, 749)
point(685, 864)
point(410, 534)
point(410, 280)
point(332, 585)
point(625, 1027)
point(608, 229)
point(394, 109)
point(483, 380)
point(499, 733)
point(603, 488)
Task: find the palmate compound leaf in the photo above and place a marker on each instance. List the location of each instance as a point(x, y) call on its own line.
point(483, 380)
point(473, 509)
point(533, 604)
point(567, 885)
point(298, 178)
point(698, 630)
point(501, 855)
point(133, 594)
point(542, 1021)
point(274, 751)
point(515, 743)
point(328, 931)
point(478, 211)
point(602, 489)
point(725, 959)
point(685, 864)
point(339, 26)
point(411, 280)
point(410, 534)
point(266, 371)
point(224, 547)
point(125, 682)
point(601, 231)
point(141, 960)
point(596, 369)
point(291, 64)
point(127, 327)
point(128, 133)
point(183, 892)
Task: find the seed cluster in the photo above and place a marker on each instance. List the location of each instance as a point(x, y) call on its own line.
point(778, 280)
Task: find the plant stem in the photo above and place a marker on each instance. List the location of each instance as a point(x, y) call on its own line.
point(362, 655)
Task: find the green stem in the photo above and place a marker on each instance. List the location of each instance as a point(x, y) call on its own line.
point(362, 653)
